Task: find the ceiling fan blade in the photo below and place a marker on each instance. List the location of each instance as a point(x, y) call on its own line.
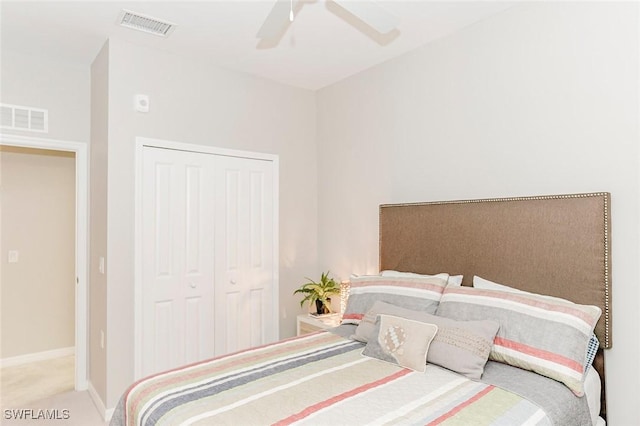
point(277, 19)
point(371, 14)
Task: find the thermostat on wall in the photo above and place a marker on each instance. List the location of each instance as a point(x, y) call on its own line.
point(142, 103)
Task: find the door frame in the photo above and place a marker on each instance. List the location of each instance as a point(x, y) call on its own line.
point(81, 151)
point(143, 142)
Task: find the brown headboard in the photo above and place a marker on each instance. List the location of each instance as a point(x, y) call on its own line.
point(557, 245)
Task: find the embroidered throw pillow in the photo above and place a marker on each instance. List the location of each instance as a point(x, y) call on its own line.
point(401, 341)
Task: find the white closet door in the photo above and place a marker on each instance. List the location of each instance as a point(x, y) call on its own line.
point(207, 257)
point(177, 252)
point(244, 270)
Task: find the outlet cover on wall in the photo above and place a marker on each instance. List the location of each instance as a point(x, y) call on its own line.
point(13, 255)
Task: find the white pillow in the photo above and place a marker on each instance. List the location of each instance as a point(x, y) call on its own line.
point(451, 279)
point(483, 284)
point(490, 285)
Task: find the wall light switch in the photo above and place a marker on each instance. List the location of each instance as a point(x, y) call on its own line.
point(13, 256)
point(101, 265)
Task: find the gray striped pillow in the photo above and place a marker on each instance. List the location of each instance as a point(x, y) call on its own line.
point(544, 334)
point(420, 294)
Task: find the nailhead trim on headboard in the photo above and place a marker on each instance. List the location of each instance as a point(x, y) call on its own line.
point(605, 197)
point(606, 267)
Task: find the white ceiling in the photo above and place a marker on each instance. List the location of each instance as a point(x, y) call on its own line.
point(323, 45)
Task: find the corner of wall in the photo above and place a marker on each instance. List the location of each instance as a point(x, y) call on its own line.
point(98, 222)
point(99, 404)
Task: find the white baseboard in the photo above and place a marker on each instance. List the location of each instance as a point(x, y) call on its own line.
point(108, 414)
point(38, 356)
point(97, 401)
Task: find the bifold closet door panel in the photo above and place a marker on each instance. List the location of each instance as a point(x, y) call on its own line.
point(177, 253)
point(207, 256)
point(244, 268)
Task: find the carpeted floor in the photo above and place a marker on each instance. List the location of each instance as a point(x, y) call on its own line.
point(71, 408)
point(26, 390)
point(23, 384)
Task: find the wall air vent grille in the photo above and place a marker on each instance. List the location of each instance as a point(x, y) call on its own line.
point(147, 24)
point(29, 119)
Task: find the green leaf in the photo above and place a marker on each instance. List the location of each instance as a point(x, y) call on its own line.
point(319, 290)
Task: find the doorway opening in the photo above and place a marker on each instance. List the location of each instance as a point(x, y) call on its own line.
point(77, 154)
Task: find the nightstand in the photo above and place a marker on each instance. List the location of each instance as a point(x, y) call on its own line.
point(307, 323)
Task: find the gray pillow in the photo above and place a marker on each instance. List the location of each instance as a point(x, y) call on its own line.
point(461, 346)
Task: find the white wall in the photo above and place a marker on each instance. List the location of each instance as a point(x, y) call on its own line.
point(38, 220)
point(540, 99)
point(60, 87)
point(194, 103)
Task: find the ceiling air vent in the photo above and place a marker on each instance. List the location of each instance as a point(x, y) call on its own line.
point(18, 117)
point(147, 24)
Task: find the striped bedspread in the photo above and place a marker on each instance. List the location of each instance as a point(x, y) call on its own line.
point(317, 379)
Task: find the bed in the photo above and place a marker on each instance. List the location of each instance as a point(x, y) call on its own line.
point(416, 344)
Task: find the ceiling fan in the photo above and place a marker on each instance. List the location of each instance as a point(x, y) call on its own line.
point(368, 11)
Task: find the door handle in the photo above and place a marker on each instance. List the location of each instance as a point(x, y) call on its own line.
point(192, 285)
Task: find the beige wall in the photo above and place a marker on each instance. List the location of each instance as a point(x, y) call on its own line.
point(195, 103)
point(98, 221)
point(540, 99)
point(38, 220)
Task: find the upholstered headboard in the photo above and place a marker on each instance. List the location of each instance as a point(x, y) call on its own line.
point(557, 245)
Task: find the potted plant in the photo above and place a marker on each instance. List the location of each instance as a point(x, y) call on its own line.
point(319, 293)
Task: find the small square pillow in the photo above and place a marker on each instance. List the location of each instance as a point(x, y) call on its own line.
point(401, 341)
point(419, 294)
point(543, 334)
point(460, 346)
